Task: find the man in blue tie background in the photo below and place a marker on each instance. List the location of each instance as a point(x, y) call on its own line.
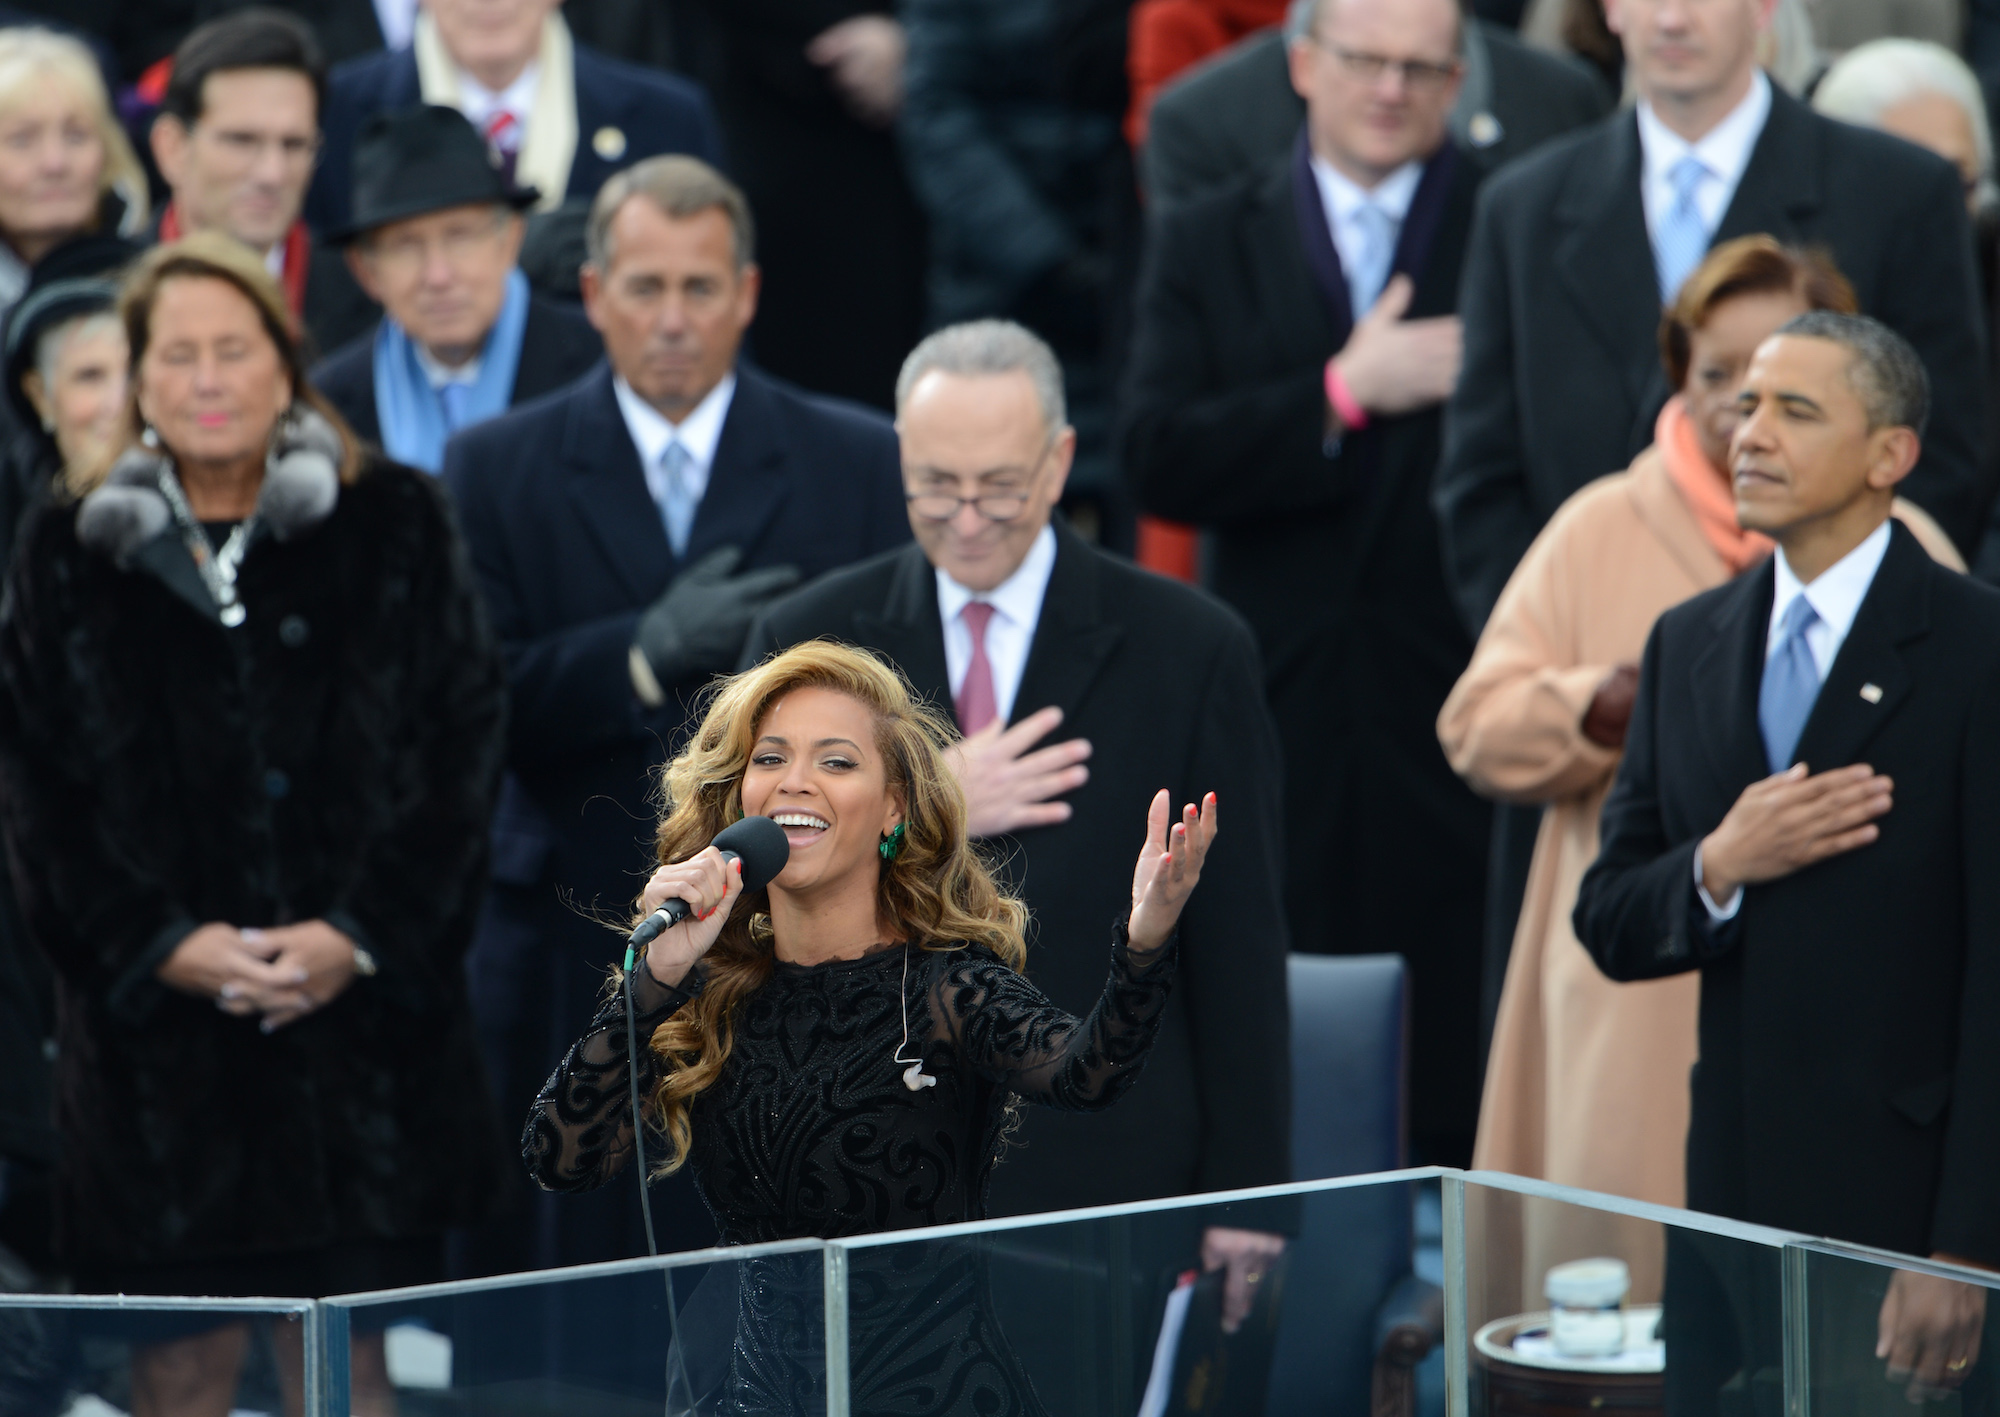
point(625, 530)
point(1809, 814)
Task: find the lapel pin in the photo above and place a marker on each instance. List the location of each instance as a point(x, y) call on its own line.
point(1484, 130)
point(1872, 693)
point(608, 143)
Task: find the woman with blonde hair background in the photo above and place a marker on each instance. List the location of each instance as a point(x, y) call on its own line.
point(66, 168)
point(837, 1055)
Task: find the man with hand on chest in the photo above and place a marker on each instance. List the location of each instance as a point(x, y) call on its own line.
point(1808, 813)
point(1007, 616)
point(1295, 341)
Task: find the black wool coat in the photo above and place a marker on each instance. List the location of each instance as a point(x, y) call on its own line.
point(1562, 380)
point(1849, 1082)
point(335, 757)
point(1163, 681)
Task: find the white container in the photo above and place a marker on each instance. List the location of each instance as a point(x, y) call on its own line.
point(1587, 1307)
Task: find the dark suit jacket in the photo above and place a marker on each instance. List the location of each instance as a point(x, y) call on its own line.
point(557, 346)
point(570, 550)
point(1849, 1082)
point(1562, 379)
point(1237, 111)
point(657, 113)
point(1335, 563)
point(1163, 682)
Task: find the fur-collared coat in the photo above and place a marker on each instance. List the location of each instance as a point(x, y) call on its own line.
point(336, 757)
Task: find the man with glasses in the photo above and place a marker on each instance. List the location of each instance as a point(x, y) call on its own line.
point(1005, 617)
point(435, 237)
point(626, 531)
point(1294, 343)
point(236, 139)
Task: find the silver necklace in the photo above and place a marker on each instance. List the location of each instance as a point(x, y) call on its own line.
point(218, 568)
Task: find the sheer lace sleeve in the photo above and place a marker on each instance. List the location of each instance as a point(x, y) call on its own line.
point(579, 1132)
point(1007, 1030)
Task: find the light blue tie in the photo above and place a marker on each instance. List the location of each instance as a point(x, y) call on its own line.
point(1682, 237)
point(1791, 683)
point(455, 399)
point(1372, 262)
point(677, 500)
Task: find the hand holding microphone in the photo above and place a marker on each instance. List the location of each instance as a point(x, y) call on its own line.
point(688, 902)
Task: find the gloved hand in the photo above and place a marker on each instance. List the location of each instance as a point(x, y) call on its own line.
point(699, 625)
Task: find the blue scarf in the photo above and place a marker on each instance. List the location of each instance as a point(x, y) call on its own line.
point(408, 408)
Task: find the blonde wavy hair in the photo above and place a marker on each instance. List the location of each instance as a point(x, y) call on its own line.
point(937, 892)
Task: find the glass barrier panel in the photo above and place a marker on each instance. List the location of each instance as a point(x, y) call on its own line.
point(634, 1339)
point(1329, 1305)
point(1882, 1333)
point(1579, 1303)
point(108, 1355)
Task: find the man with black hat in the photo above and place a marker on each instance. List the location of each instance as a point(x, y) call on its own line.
point(434, 239)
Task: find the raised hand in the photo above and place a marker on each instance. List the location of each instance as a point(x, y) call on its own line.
point(709, 884)
point(1169, 865)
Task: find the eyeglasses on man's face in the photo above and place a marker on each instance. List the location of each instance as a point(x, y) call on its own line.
point(1005, 495)
point(1426, 75)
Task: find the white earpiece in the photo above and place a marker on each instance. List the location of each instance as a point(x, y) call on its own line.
point(914, 1076)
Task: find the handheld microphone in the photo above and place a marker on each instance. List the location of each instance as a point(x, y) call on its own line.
point(758, 842)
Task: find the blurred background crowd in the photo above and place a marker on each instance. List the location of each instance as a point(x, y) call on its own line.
point(411, 404)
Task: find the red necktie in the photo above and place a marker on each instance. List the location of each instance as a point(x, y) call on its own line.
point(503, 136)
point(976, 704)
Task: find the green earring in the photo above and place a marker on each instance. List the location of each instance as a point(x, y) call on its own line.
point(892, 843)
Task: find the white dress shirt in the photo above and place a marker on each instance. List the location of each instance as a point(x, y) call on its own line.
point(1342, 198)
point(479, 103)
point(699, 433)
point(1017, 605)
point(1835, 595)
point(1724, 150)
point(438, 374)
point(398, 19)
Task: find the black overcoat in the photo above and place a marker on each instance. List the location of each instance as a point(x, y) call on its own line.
point(1333, 558)
point(1164, 683)
point(1849, 1082)
point(335, 757)
point(1562, 380)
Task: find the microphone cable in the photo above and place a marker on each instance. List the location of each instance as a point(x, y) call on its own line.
point(638, 1119)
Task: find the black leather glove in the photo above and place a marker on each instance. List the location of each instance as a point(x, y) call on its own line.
point(699, 625)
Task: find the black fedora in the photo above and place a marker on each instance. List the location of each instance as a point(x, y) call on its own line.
point(423, 160)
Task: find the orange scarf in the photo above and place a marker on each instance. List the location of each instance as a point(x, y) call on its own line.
point(1706, 490)
point(298, 252)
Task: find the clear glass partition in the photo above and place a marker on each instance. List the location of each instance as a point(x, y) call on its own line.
point(636, 1339)
point(108, 1355)
point(1576, 1302)
point(1879, 1333)
point(1110, 1311)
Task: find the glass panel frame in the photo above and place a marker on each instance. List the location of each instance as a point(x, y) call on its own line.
point(335, 1327)
point(306, 1311)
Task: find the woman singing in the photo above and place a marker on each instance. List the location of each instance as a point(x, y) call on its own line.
point(786, 1029)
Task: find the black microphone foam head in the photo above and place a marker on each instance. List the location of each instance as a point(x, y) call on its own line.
point(760, 844)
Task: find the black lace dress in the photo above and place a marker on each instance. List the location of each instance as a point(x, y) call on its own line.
point(811, 1132)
